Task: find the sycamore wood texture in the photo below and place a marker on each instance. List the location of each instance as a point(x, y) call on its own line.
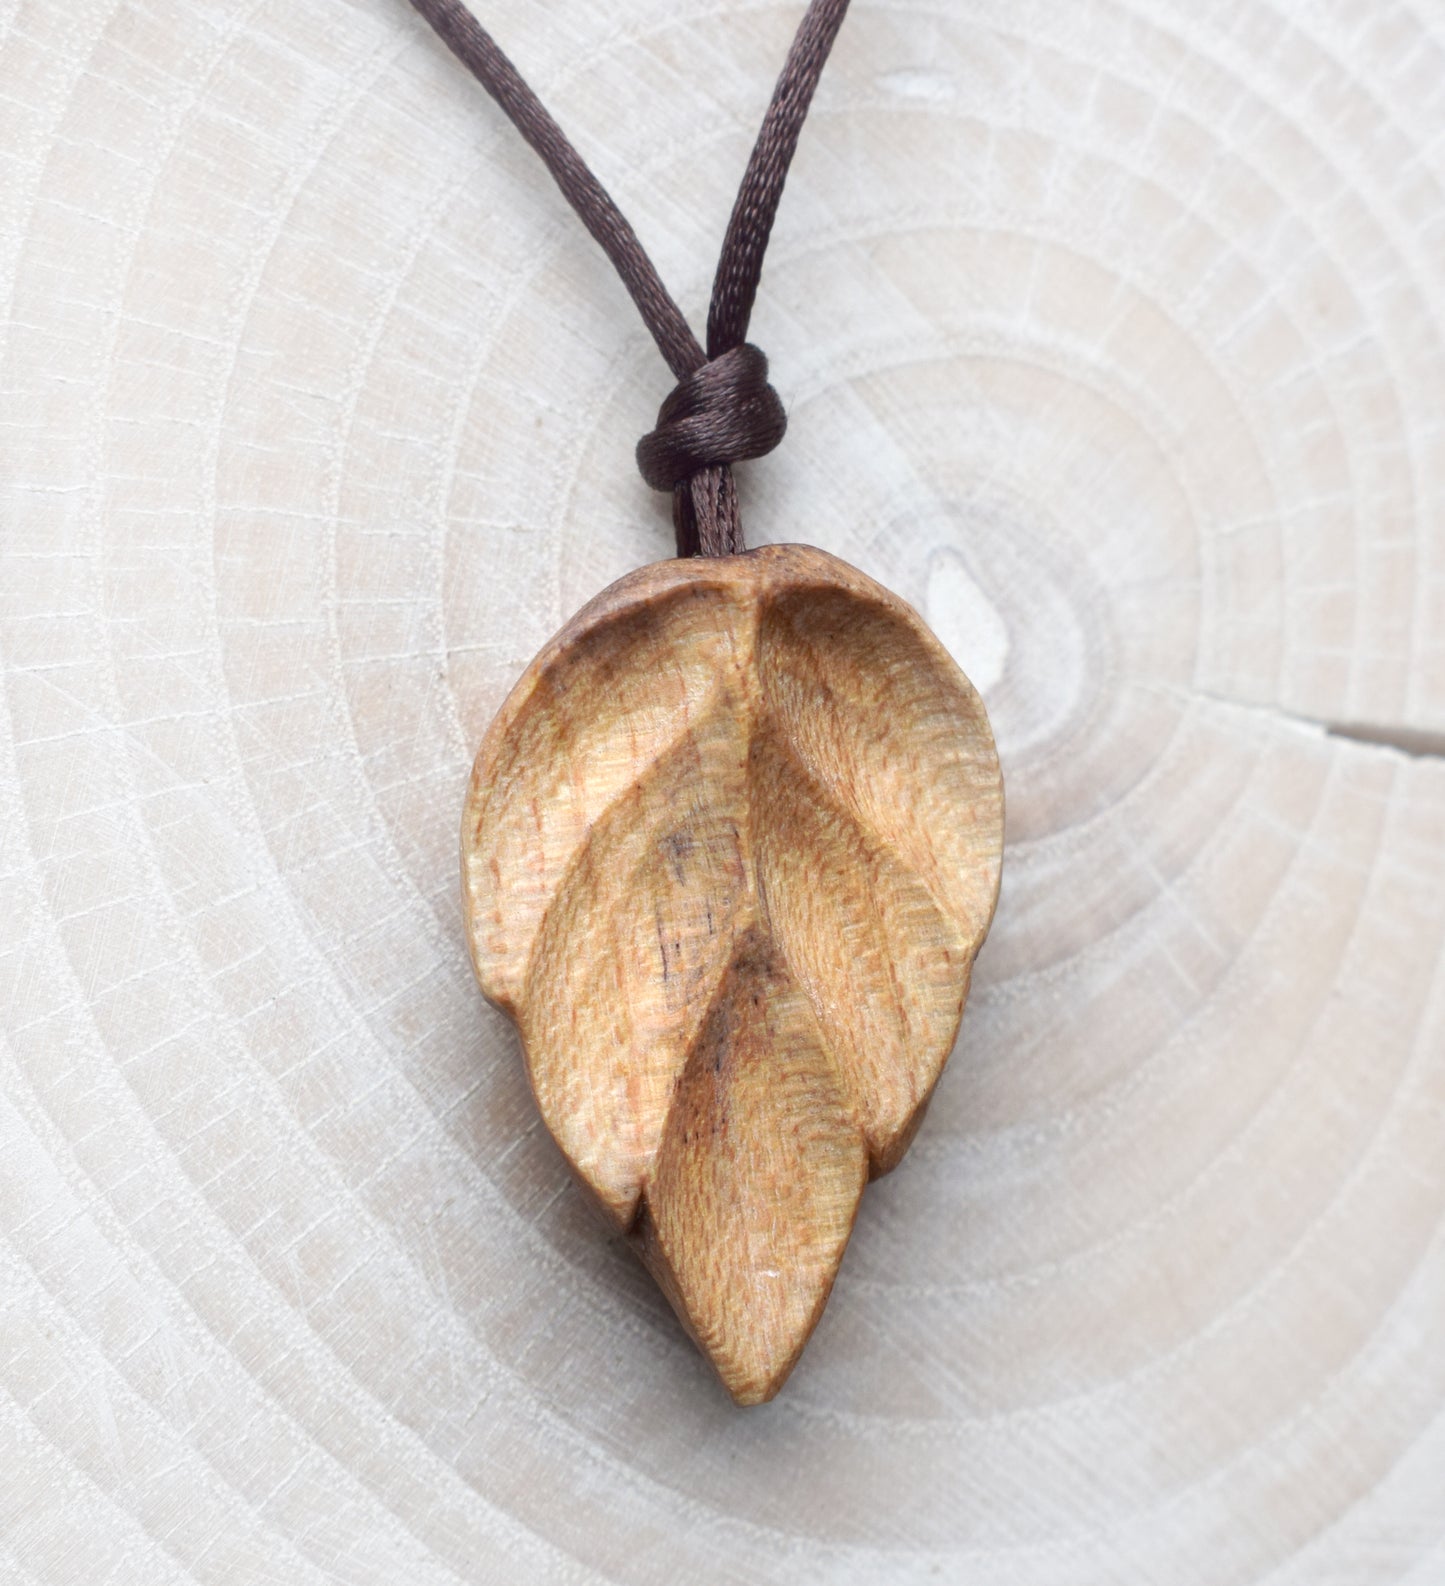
point(728, 852)
point(1112, 336)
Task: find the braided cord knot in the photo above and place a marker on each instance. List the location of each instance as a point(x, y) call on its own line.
point(723, 412)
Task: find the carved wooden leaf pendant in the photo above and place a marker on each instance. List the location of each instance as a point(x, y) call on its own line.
point(729, 850)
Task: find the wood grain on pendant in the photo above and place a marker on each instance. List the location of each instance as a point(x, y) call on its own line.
point(729, 850)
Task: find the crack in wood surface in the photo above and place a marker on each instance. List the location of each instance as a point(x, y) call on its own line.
point(1415, 742)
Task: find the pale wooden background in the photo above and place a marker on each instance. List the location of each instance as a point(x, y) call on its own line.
point(1114, 338)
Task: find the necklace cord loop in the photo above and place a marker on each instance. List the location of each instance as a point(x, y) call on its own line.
point(722, 409)
point(720, 414)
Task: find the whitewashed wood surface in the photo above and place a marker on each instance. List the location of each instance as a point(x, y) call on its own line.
point(1113, 334)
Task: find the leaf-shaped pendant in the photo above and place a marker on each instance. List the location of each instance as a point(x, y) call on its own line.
point(729, 849)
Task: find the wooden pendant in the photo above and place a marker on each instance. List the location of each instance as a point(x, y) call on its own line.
point(729, 849)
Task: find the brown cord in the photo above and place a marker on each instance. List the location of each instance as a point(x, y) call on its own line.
point(722, 409)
